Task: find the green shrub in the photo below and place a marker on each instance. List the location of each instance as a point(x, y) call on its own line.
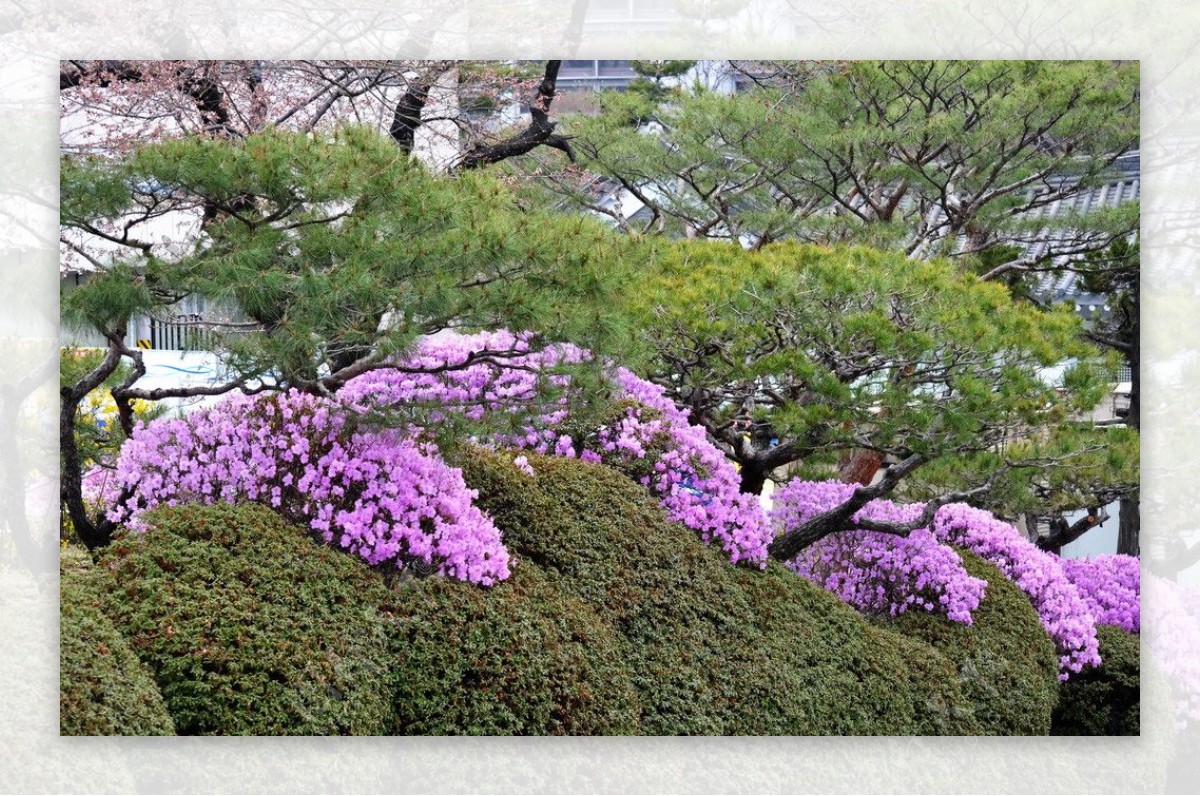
point(249, 626)
point(520, 658)
point(840, 673)
point(103, 688)
point(1005, 662)
point(712, 648)
point(1104, 700)
point(615, 621)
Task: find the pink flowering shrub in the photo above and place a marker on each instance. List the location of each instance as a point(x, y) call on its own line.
point(1063, 610)
point(649, 438)
point(1111, 585)
point(876, 572)
point(693, 480)
point(881, 573)
point(101, 487)
point(384, 495)
point(377, 493)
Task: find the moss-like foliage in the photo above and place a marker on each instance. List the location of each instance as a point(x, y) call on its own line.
point(1005, 663)
point(521, 658)
point(615, 621)
point(103, 688)
point(1105, 700)
point(839, 672)
point(712, 648)
point(251, 628)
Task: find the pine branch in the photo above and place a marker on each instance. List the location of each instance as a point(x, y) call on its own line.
point(788, 545)
point(540, 131)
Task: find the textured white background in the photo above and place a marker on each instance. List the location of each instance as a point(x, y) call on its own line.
point(34, 35)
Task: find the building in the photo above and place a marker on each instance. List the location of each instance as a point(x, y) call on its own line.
point(1055, 287)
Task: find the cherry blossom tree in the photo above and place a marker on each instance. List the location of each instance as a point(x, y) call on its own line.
point(113, 106)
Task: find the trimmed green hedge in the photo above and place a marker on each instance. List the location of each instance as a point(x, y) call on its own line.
point(615, 621)
point(833, 673)
point(1106, 700)
point(103, 688)
point(520, 658)
point(713, 649)
point(249, 627)
point(1004, 662)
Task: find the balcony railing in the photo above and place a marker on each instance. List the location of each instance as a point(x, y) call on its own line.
point(190, 332)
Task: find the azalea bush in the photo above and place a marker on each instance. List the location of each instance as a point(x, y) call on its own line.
point(103, 688)
point(644, 434)
point(362, 471)
point(383, 492)
point(1064, 612)
point(877, 572)
point(379, 493)
point(886, 574)
point(711, 649)
point(248, 627)
point(615, 621)
point(1111, 585)
point(1105, 700)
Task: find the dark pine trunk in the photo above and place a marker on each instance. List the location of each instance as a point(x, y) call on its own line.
point(1134, 356)
point(1031, 527)
point(96, 533)
point(754, 477)
point(788, 546)
point(1129, 527)
point(92, 534)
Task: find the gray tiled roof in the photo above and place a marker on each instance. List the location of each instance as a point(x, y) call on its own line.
point(1124, 185)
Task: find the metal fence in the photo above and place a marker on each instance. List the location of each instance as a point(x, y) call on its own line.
point(181, 333)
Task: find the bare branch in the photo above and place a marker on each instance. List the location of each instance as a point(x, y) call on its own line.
point(540, 131)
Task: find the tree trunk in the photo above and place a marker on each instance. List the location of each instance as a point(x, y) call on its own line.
point(93, 535)
point(1062, 534)
point(407, 116)
point(540, 131)
point(98, 533)
point(754, 477)
point(861, 467)
point(1031, 527)
point(345, 357)
point(1129, 527)
point(789, 545)
point(1130, 524)
point(1133, 356)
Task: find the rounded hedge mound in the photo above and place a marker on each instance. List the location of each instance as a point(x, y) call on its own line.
point(711, 648)
point(839, 672)
point(251, 628)
point(614, 621)
point(523, 657)
point(1005, 662)
point(1104, 700)
point(103, 688)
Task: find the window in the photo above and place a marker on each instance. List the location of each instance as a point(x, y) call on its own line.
point(614, 69)
point(577, 69)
